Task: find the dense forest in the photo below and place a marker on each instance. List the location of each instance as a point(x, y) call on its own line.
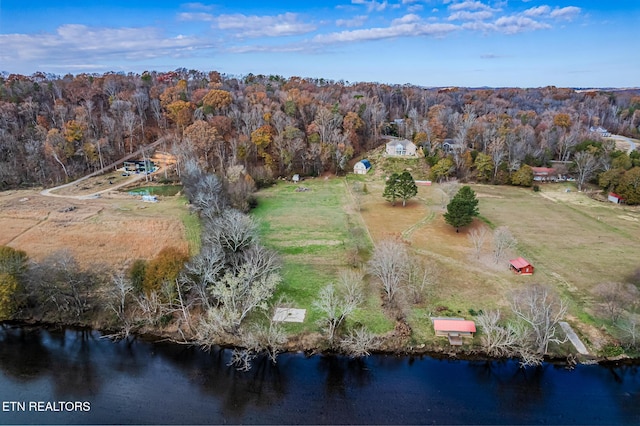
point(53, 129)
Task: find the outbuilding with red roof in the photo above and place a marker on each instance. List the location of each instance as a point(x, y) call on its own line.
point(454, 328)
point(521, 266)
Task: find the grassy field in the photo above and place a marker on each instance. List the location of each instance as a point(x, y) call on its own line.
point(315, 231)
point(114, 229)
point(573, 241)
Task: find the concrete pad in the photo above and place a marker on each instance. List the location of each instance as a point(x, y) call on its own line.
point(573, 338)
point(289, 315)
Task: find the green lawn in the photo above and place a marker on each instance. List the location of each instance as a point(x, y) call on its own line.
point(574, 243)
point(314, 231)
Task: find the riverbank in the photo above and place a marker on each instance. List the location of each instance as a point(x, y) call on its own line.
point(311, 345)
point(135, 381)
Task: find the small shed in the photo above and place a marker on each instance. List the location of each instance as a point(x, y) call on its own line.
point(362, 167)
point(521, 266)
point(615, 198)
point(454, 329)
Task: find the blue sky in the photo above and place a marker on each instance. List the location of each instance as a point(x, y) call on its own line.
point(524, 43)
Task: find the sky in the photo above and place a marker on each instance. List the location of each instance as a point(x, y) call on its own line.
point(442, 43)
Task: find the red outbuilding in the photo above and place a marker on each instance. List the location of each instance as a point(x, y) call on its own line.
point(455, 329)
point(521, 266)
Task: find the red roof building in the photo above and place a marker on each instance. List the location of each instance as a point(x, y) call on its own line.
point(615, 198)
point(521, 266)
point(454, 329)
point(543, 174)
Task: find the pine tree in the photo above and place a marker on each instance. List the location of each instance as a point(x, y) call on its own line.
point(462, 208)
point(400, 186)
point(390, 192)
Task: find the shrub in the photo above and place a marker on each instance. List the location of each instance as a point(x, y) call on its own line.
point(136, 274)
point(164, 268)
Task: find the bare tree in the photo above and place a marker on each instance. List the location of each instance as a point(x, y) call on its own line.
point(616, 297)
point(233, 231)
point(497, 340)
point(237, 293)
point(540, 310)
point(449, 190)
point(202, 271)
point(586, 164)
point(503, 241)
point(630, 328)
point(350, 282)
point(204, 191)
point(358, 343)
point(421, 277)
point(335, 307)
point(389, 263)
point(477, 237)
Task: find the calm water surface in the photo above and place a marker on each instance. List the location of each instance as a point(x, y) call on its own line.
point(141, 382)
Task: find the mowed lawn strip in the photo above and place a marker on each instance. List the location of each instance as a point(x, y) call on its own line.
point(312, 231)
point(570, 239)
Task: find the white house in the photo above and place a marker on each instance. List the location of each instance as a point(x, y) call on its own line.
point(401, 147)
point(601, 131)
point(362, 167)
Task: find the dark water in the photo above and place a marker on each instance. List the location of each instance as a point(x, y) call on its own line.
point(140, 382)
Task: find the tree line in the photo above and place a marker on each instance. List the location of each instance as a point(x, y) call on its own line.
point(54, 128)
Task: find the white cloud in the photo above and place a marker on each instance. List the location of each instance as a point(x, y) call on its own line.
point(518, 24)
point(406, 19)
point(356, 21)
point(197, 6)
point(93, 45)
point(263, 26)
point(401, 30)
point(195, 16)
point(568, 12)
point(372, 5)
point(537, 11)
point(470, 5)
point(464, 15)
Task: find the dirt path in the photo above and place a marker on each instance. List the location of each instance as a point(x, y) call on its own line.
point(132, 179)
point(623, 140)
point(50, 191)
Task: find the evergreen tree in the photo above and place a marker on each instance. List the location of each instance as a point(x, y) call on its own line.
point(400, 186)
point(462, 208)
point(390, 192)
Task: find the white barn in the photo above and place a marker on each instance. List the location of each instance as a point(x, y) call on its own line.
point(361, 167)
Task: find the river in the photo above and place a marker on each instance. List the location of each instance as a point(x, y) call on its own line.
point(73, 377)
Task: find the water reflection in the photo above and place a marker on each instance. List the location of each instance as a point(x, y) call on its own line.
point(134, 381)
point(12, 361)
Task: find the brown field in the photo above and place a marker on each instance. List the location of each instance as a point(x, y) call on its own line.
point(114, 229)
point(573, 241)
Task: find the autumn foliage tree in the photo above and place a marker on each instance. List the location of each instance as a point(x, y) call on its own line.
point(12, 265)
point(216, 100)
point(162, 271)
